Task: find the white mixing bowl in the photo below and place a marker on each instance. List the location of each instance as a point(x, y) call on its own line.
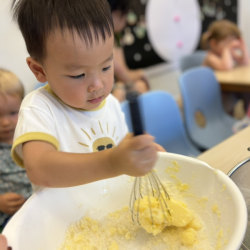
point(41, 223)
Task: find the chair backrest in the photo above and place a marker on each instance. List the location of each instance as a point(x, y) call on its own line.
point(201, 97)
point(162, 119)
point(161, 116)
point(126, 111)
point(200, 92)
point(194, 60)
point(40, 84)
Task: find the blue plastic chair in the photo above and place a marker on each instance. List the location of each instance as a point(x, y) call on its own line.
point(162, 119)
point(201, 92)
point(194, 60)
point(39, 84)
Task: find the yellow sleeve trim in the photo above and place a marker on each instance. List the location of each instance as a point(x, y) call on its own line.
point(31, 136)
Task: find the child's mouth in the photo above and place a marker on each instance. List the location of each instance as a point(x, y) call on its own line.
point(97, 100)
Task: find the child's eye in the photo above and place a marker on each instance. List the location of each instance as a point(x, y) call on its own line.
point(105, 69)
point(78, 77)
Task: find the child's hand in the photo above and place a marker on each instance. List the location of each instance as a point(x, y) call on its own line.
point(11, 202)
point(239, 51)
point(134, 156)
point(235, 43)
point(159, 148)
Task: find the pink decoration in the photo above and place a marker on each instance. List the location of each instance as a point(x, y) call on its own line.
point(179, 44)
point(177, 18)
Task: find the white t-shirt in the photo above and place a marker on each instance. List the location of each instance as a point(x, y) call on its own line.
point(43, 116)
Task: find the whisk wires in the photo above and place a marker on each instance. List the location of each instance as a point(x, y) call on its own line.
point(149, 187)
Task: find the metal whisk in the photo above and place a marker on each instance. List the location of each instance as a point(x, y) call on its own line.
point(148, 186)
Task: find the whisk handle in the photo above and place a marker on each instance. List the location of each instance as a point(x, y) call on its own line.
point(135, 113)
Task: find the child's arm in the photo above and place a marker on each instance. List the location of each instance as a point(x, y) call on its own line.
point(225, 62)
point(10, 202)
point(47, 167)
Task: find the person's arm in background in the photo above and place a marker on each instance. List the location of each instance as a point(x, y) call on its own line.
point(122, 72)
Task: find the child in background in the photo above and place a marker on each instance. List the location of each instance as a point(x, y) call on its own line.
point(226, 50)
point(126, 79)
point(225, 45)
point(72, 131)
point(15, 186)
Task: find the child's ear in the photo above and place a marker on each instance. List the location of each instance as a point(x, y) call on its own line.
point(37, 69)
point(212, 43)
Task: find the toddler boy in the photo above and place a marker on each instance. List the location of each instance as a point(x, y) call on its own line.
point(65, 128)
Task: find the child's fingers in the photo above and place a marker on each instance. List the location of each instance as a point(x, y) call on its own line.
point(15, 209)
point(16, 203)
point(145, 160)
point(147, 154)
point(12, 211)
point(13, 196)
point(140, 142)
point(159, 148)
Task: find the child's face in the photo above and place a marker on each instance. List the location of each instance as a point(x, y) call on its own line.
point(9, 108)
point(82, 77)
point(218, 46)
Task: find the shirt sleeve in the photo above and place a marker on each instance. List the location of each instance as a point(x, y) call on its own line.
point(34, 124)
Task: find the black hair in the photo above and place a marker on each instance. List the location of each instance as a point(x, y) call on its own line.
point(122, 5)
point(37, 19)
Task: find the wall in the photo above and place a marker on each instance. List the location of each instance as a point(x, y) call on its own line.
point(244, 20)
point(13, 51)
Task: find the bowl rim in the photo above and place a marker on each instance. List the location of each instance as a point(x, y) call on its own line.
point(241, 226)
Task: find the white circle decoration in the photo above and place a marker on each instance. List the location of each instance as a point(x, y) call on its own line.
point(147, 47)
point(128, 38)
point(137, 57)
point(174, 27)
point(219, 14)
point(228, 2)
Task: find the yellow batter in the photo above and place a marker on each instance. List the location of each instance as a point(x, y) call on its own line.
point(179, 215)
point(188, 237)
point(113, 246)
point(117, 227)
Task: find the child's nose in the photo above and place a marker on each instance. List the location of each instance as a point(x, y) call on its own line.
point(95, 85)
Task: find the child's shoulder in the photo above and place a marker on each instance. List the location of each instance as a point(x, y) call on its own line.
point(210, 57)
point(38, 98)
